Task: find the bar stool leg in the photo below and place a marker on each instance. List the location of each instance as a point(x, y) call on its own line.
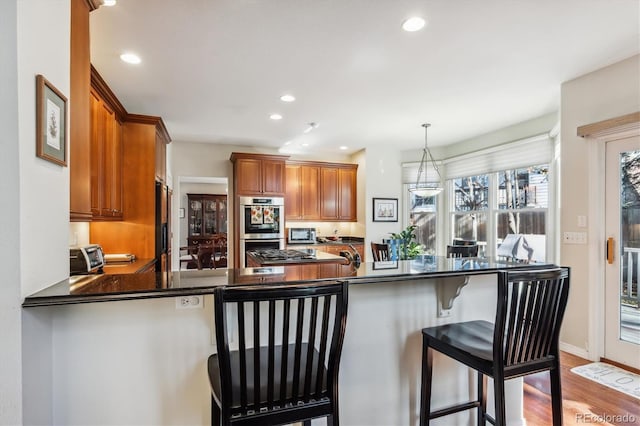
point(425, 392)
point(215, 413)
point(482, 398)
point(498, 391)
point(556, 395)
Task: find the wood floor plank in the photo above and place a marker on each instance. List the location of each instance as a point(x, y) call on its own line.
point(585, 402)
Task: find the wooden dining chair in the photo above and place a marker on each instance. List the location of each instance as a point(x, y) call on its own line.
point(289, 340)
point(219, 258)
point(462, 251)
point(523, 340)
point(380, 252)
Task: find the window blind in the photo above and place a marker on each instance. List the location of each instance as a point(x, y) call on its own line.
point(525, 152)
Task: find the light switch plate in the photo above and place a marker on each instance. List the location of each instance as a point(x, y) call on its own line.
point(574, 238)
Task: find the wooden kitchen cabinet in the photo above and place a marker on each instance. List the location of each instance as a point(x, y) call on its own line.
point(321, 191)
point(302, 192)
point(106, 160)
point(257, 174)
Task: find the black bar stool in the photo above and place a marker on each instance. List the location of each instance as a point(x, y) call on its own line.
point(524, 340)
point(462, 251)
point(285, 369)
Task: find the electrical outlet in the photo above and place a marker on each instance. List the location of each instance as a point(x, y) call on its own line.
point(189, 302)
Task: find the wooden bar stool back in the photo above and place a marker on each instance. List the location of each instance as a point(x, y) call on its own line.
point(524, 340)
point(285, 368)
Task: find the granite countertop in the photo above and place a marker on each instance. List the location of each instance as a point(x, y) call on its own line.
point(107, 287)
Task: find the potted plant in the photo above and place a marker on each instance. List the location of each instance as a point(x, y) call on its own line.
point(405, 243)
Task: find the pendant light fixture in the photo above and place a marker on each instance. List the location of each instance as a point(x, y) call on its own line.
point(424, 188)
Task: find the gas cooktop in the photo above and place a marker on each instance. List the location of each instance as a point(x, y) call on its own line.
point(275, 254)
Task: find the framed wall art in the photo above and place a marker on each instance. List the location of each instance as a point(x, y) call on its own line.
point(51, 122)
point(385, 209)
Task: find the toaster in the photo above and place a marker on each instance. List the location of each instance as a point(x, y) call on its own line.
point(87, 259)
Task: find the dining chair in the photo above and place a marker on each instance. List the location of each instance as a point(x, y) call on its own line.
point(522, 341)
point(380, 252)
point(285, 368)
point(219, 258)
point(462, 251)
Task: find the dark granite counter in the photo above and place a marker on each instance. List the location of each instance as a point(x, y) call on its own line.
point(103, 288)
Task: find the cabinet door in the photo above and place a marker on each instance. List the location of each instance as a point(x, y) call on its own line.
point(273, 177)
point(248, 176)
point(329, 193)
point(96, 154)
point(112, 171)
point(310, 197)
point(347, 194)
point(293, 192)
point(210, 215)
point(161, 159)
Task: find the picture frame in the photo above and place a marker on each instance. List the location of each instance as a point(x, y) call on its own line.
point(385, 209)
point(51, 122)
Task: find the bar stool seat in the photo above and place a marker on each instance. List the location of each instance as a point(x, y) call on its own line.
point(523, 340)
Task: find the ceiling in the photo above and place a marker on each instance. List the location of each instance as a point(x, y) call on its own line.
point(215, 69)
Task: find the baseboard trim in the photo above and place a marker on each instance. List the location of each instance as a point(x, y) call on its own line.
point(620, 365)
point(574, 350)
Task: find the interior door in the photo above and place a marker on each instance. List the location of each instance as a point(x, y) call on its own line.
point(622, 269)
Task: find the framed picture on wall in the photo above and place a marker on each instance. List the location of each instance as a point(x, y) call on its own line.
point(385, 209)
point(51, 122)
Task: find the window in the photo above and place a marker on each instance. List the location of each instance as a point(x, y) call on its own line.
point(423, 214)
point(471, 203)
point(516, 219)
point(499, 196)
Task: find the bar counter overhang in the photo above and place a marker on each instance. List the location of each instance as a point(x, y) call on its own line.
point(389, 304)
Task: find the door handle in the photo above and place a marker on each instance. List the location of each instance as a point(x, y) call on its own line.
point(609, 248)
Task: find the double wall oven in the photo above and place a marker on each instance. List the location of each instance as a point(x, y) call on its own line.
point(261, 225)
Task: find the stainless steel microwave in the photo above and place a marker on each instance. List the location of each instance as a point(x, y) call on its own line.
point(301, 236)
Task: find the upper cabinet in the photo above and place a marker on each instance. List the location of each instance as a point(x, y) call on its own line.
point(106, 160)
point(321, 191)
point(257, 174)
point(302, 196)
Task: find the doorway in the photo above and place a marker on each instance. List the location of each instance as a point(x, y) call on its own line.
point(622, 268)
point(209, 216)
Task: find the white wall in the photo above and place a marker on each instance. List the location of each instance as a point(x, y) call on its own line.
point(33, 248)
point(606, 93)
point(44, 192)
point(10, 291)
point(383, 177)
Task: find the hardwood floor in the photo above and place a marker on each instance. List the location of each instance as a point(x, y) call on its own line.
point(584, 401)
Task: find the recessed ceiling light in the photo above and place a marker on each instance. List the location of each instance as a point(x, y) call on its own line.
point(305, 144)
point(287, 98)
point(275, 117)
point(415, 23)
point(109, 3)
point(344, 147)
point(130, 58)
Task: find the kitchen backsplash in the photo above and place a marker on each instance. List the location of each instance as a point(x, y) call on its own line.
point(78, 233)
point(325, 229)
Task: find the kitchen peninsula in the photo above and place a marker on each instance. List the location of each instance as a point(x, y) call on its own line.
point(389, 302)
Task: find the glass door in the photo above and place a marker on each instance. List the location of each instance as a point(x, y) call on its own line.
point(195, 218)
point(622, 212)
point(210, 217)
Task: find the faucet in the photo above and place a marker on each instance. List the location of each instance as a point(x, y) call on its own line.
point(353, 258)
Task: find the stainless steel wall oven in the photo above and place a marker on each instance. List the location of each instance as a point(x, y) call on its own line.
point(261, 224)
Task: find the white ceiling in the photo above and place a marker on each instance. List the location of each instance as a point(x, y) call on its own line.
point(214, 69)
